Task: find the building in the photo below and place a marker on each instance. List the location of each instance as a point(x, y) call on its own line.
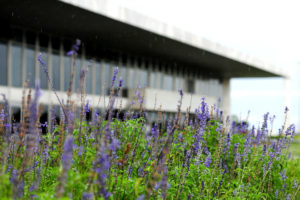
point(159, 58)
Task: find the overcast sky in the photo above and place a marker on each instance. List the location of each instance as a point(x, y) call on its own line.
point(266, 29)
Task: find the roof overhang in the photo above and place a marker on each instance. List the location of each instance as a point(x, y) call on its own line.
point(101, 25)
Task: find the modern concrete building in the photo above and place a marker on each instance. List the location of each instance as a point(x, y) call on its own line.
point(159, 58)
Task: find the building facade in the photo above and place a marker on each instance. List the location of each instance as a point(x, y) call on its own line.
point(153, 56)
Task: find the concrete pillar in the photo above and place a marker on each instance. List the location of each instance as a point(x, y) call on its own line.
point(226, 97)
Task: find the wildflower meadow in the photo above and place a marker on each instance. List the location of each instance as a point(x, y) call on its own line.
point(117, 154)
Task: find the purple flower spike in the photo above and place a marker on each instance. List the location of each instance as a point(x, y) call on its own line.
point(87, 106)
point(82, 73)
point(121, 81)
point(87, 196)
point(207, 160)
point(181, 92)
point(116, 70)
point(141, 197)
point(41, 60)
point(70, 53)
point(68, 153)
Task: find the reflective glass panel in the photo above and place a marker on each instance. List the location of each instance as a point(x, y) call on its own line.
point(142, 78)
point(56, 71)
point(89, 79)
point(77, 74)
point(177, 84)
point(131, 78)
point(16, 65)
point(159, 80)
point(168, 82)
point(152, 79)
point(43, 76)
point(107, 78)
point(123, 75)
point(98, 75)
point(3, 64)
point(30, 65)
point(67, 72)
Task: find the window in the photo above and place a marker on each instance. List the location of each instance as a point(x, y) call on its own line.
point(77, 74)
point(56, 71)
point(43, 76)
point(168, 82)
point(190, 86)
point(198, 87)
point(107, 76)
point(98, 75)
point(142, 78)
point(152, 79)
point(131, 77)
point(159, 80)
point(67, 72)
point(123, 75)
point(89, 79)
point(16, 65)
point(177, 84)
point(3, 64)
point(30, 65)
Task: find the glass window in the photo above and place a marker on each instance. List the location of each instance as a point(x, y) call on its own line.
point(131, 78)
point(89, 79)
point(152, 79)
point(205, 87)
point(3, 64)
point(177, 84)
point(56, 71)
point(191, 86)
point(43, 76)
point(98, 75)
point(107, 77)
point(159, 80)
point(30, 65)
point(16, 65)
point(142, 78)
point(168, 82)
point(77, 74)
point(67, 72)
point(198, 87)
point(183, 84)
point(123, 75)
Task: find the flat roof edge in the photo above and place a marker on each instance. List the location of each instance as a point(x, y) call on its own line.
point(114, 11)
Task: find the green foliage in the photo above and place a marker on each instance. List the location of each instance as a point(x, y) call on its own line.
point(134, 170)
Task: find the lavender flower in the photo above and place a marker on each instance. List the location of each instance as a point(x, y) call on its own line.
point(75, 48)
point(208, 160)
point(155, 132)
point(181, 93)
point(295, 184)
point(234, 192)
point(87, 107)
point(283, 176)
point(43, 64)
point(121, 82)
point(114, 145)
point(114, 77)
point(141, 197)
point(68, 153)
point(276, 193)
point(87, 196)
